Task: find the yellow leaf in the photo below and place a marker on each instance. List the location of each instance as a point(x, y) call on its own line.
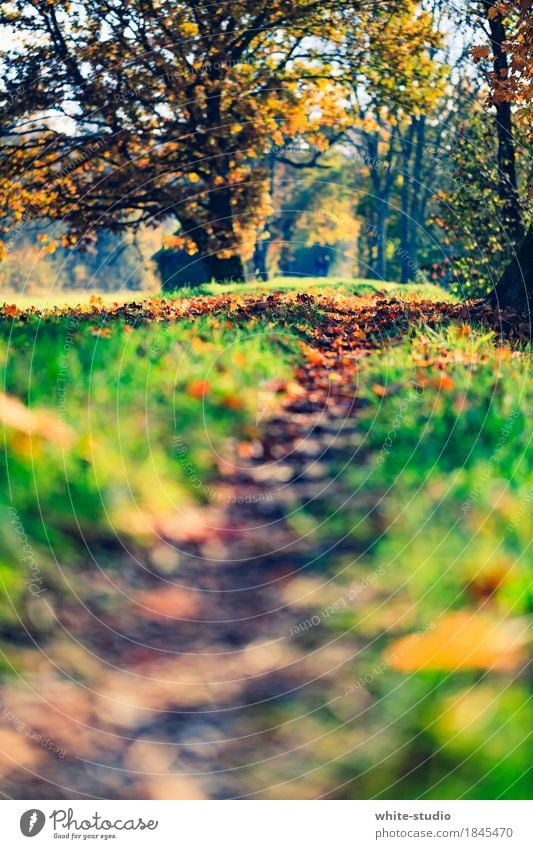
point(198, 388)
point(460, 640)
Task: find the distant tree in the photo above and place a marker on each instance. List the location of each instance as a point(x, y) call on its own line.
point(33, 263)
point(396, 82)
point(118, 114)
point(313, 215)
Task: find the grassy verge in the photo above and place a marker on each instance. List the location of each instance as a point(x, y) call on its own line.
point(322, 286)
point(109, 430)
point(318, 285)
point(436, 506)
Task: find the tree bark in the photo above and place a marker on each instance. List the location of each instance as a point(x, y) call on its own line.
point(382, 188)
point(405, 250)
point(382, 215)
point(515, 287)
point(260, 257)
point(511, 211)
point(262, 245)
point(220, 239)
point(406, 202)
point(225, 270)
point(288, 223)
point(417, 217)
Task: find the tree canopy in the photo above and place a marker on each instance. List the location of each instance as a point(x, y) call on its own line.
point(121, 115)
point(116, 114)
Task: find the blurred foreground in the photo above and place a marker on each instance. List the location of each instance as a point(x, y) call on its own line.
point(270, 547)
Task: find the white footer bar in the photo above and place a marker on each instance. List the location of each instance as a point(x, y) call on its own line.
point(267, 825)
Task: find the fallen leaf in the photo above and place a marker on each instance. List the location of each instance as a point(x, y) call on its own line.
point(232, 402)
point(11, 310)
point(444, 381)
point(382, 391)
point(198, 388)
point(314, 357)
point(462, 640)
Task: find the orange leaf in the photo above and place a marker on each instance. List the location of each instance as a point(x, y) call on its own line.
point(314, 357)
point(232, 402)
point(503, 353)
point(444, 381)
point(480, 52)
point(461, 640)
point(11, 310)
point(198, 388)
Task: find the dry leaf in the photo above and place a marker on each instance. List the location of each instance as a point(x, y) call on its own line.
point(462, 640)
point(11, 310)
point(198, 388)
point(445, 382)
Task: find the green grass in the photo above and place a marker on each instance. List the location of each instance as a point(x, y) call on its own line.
point(318, 285)
point(126, 426)
point(435, 505)
point(69, 298)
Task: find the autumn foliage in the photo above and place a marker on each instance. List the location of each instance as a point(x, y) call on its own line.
point(118, 118)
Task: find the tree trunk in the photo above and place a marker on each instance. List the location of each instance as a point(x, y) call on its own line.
point(405, 250)
point(260, 259)
point(380, 270)
point(515, 287)
point(215, 237)
point(417, 217)
point(405, 230)
point(262, 245)
point(382, 191)
point(288, 223)
point(224, 270)
point(405, 201)
point(508, 189)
